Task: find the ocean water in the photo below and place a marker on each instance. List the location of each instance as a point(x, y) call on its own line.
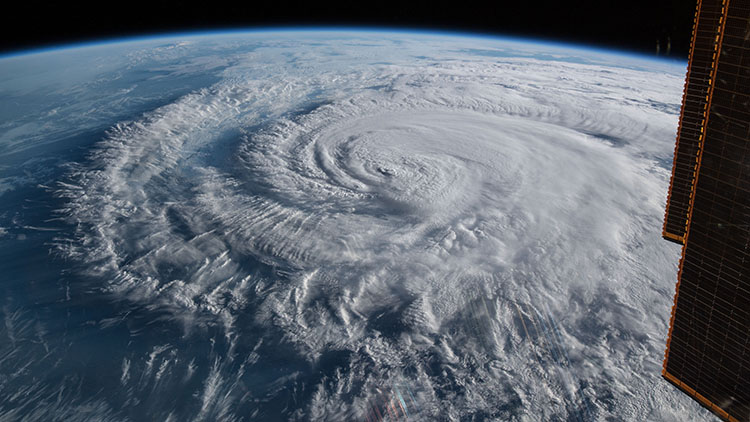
point(334, 226)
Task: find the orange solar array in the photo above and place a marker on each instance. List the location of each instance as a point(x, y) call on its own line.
point(701, 66)
point(708, 210)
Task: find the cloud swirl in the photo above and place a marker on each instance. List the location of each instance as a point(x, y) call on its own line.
point(451, 237)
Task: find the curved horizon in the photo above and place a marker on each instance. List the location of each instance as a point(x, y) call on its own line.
point(458, 33)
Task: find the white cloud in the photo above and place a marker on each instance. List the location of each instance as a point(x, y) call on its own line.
point(483, 230)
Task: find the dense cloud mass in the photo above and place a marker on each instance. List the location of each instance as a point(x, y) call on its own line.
point(376, 227)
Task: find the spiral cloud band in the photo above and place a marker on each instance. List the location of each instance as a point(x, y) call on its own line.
point(389, 227)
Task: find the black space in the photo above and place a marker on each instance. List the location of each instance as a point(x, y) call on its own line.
point(636, 25)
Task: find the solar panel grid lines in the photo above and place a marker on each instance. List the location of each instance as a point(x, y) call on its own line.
point(689, 131)
point(708, 346)
point(692, 117)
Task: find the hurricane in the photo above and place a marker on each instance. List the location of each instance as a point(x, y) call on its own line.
point(372, 227)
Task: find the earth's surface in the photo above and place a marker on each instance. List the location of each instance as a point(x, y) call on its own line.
point(336, 226)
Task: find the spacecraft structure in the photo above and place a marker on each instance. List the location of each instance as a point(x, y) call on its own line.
point(708, 212)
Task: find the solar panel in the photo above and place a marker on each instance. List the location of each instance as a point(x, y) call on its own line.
point(692, 117)
point(708, 349)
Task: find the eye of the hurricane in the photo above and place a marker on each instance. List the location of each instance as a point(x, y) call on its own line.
point(429, 164)
point(385, 171)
